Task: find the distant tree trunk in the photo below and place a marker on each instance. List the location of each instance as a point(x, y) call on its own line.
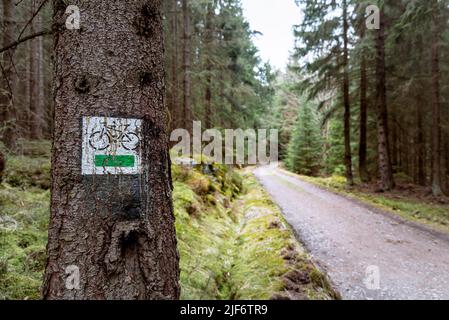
point(436, 104)
point(175, 54)
point(347, 114)
point(26, 112)
point(394, 140)
point(116, 232)
point(363, 171)
point(385, 168)
point(446, 156)
point(186, 64)
point(406, 151)
point(208, 40)
point(420, 143)
point(2, 165)
point(8, 78)
point(43, 118)
point(36, 108)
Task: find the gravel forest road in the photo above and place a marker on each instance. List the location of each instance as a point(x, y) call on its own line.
point(366, 254)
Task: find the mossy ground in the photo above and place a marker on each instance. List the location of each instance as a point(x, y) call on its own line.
point(232, 240)
point(408, 201)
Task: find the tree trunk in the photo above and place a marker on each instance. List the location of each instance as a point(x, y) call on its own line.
point(394, 141)
point(175, 78)
point(436, 104)
point(115, 231)
point(186, 64)
point(2, 165)
point(347, 114)
point(43, 117)
point(446, 153)
point(36, 111)
point(208, 44)
point(420, 143)
point(385, 168)
point(363, 171)
point(8, 80)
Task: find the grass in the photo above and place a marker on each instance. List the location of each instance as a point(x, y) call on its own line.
point(408, 202)
point(232, 240)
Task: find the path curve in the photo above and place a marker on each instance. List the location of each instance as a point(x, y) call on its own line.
point(367, 255)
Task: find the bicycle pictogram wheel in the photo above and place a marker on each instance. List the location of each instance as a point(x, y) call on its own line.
point(99, 141)
point(130, 141)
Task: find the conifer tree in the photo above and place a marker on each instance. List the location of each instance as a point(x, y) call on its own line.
point(305, 148)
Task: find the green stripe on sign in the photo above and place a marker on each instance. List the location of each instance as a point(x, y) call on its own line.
point(115, 161)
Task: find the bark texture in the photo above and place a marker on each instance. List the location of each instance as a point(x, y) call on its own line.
point(117, 230)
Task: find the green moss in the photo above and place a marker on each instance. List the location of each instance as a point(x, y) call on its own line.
point(22, 251)
point(266, 241)
point(25, 172)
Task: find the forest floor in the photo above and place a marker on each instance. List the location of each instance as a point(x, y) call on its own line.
point(368, 251)
point(232, 239)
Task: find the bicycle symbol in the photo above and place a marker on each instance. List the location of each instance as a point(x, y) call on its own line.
point(114, 134)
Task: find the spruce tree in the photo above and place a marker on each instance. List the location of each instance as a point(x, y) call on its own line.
point(305, 148)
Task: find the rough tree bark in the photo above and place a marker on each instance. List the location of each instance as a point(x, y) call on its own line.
point(186, 65)
point(346, 101)
point(436, 104)
point(385, 168)
point(8, 78)
point(116, 230)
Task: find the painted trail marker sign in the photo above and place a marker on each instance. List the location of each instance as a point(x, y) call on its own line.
point(111, 146)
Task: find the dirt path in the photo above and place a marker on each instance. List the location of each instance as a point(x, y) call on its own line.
point(354, 244)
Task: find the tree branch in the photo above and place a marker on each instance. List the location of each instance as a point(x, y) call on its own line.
point(24, 39)
point(32, 18)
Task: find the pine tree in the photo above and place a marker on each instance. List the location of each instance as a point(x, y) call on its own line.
point(305, 148)
point(386, 182)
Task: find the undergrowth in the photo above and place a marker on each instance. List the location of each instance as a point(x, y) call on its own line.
point(232, 240)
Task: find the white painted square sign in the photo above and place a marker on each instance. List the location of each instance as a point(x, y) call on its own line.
point(111, 146)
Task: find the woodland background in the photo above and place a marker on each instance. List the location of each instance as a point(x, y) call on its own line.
point(342, 81)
